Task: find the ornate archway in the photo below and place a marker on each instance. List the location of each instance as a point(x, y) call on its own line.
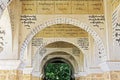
point(39, 60)
point(67, 58)
point(62, 20)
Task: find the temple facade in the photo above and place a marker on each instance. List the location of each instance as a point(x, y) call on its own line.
point(85, 34)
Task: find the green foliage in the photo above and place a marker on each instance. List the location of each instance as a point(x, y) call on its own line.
point(57, 71)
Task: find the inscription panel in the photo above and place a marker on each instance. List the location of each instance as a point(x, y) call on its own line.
point(37, 41)
point(29, 7)
point(28, 20)
point(45, 7)
point(79, 7)
point(62, 6)
point(97, 21)
point(116, 29)
point(83, 43)
point(62, 30)
point(95, 6)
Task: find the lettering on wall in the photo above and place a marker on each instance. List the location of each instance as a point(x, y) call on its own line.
point(116, 29)
point(62, 30)
point(83, 43)
point(2, 38)
point(28, 20)
point(97, 21)
point(37, 41)
point(12, 19)
point(62, 7)
point(117, 34)
point(42, 51)
point(76, 51)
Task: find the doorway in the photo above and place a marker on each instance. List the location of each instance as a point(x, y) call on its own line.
point(58, 69)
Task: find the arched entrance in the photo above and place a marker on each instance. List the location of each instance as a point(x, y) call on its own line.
point(58, 69)
point(64, 20)
point(57, 53)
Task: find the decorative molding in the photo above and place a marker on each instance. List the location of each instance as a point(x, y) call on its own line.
point(37, 41)
point(41, 47)
point(94, 70)
point(37, 74)
point(110, 66)
point(27, 71)
point(113, 61)
point(9, 64)
point(80, 74)
point(83, 43)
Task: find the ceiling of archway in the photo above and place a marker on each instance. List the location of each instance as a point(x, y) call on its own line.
point(62, 30)
point(58, 45)
point(59, 53)
point(64, 45)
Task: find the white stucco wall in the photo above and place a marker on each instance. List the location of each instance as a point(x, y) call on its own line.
point(6, 36)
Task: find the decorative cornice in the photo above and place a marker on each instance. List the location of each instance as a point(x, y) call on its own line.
point(90, 70)
point(94, 70)
point(9, 64)
point(110, 66)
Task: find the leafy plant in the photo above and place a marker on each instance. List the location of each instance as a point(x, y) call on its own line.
point(58, 71)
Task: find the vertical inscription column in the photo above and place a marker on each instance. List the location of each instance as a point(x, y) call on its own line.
point(2, 38)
